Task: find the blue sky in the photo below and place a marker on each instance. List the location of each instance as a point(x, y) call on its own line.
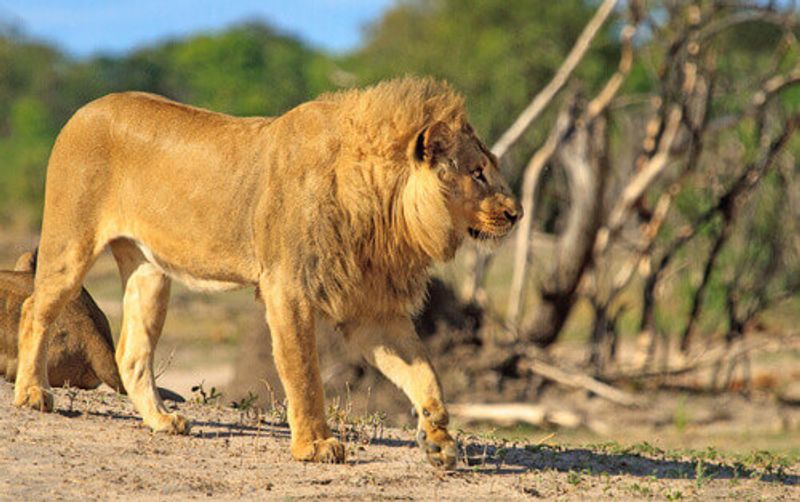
point(86, 27)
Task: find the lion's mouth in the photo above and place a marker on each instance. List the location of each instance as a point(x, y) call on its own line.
point(480, 235)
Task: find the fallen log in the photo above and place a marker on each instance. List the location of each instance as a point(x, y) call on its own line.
point(580, 380)
point(510, 413)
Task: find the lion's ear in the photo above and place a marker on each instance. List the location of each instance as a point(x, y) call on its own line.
point(433, 144)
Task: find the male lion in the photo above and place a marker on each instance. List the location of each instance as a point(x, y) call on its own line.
point(334, 211)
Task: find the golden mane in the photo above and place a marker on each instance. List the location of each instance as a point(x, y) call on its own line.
point(387, 116)
point(388, 220)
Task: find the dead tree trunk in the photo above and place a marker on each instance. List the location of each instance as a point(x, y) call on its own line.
point(584, 159)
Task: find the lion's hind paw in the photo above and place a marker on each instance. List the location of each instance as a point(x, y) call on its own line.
point(329, 451)
point(36, 397)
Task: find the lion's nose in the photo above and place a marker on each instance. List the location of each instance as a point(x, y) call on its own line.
point(513, 214)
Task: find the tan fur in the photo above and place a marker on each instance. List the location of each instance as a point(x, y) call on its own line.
point(334, 211)
point(81, 350)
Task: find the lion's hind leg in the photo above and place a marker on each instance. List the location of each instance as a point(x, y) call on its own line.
point(395, 349)
point(144, 310)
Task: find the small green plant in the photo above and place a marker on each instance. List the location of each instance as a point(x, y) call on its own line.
point(203, 397)
point(248, 411)
point(641, 490)
point(352, 427)
point(246, 403)
point(643, 448)
point(702, 476)
point(574, 478)
point(765, 463)
point(277, 411)
point(72, 394)
point(500, 455)
point(673, 494)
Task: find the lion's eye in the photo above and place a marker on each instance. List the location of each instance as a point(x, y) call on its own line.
point(477, 175)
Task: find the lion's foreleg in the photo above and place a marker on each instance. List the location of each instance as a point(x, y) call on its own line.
point(294, 346)
point(396, 350)
point(144, 311)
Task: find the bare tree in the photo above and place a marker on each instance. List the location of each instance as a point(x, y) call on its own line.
point(620, 203)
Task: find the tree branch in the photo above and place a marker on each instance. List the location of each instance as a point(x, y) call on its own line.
point(541, 100)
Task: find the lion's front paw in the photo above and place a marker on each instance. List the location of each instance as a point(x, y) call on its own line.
point(171, 423)
point(329, 451)
point(34, 396)
point(439, 447)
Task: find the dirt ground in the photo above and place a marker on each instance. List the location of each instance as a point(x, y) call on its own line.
point(681, 445)
point(95, 447)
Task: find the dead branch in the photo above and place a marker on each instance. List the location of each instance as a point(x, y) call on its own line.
point(766, 93)
point(727, 207)
point(765, 15)
point(699, 294)
point(770, 89)
point(511, 413)
point(554, 141)
point(585, 162)
point(581, 381)
point(708, 359)
point(545, 96)
point(477, 260)
point(530, 181)
point(640, 182)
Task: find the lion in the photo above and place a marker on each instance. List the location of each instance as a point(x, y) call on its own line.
point(335, 212)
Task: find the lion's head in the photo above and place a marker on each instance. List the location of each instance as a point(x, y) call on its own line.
point(478, 199)
point(413, 137)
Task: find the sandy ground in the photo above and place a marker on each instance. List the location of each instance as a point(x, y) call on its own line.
point(95, 447)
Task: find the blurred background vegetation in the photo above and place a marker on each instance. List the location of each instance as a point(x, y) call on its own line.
point(497, 53)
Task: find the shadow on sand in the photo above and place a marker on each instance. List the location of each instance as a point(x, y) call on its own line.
point(513, 460)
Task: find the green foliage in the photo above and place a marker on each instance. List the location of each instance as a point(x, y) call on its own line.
point(498, 53)
point(246, 403)
point(574, 477)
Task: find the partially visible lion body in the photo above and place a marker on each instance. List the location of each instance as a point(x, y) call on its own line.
point(81, 349)
point(334, 211)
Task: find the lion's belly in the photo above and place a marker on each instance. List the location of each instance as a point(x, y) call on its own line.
point(193, 279)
